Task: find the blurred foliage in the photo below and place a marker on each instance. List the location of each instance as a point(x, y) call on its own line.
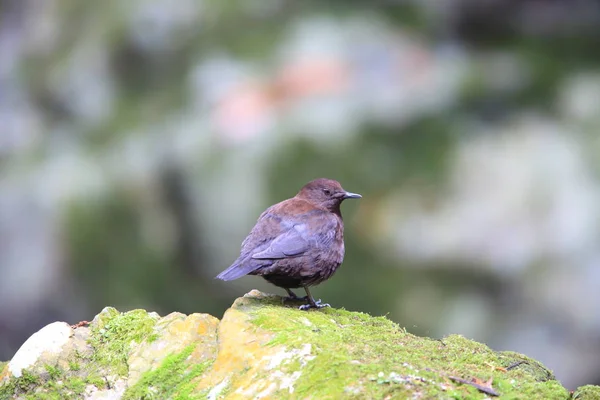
point(113, 260)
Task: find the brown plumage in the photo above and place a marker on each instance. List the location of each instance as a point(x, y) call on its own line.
point(298, 242)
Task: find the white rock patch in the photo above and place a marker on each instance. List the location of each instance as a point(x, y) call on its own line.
point(278, 358)
point(49, 339)
point(278, 379)
point(216, 391)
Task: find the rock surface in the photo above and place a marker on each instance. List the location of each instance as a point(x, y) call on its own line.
point(261, 349)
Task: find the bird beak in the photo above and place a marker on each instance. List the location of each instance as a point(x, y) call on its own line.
point(349, 195)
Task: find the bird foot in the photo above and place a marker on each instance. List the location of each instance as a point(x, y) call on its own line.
point(294, 298)
point(317, 305)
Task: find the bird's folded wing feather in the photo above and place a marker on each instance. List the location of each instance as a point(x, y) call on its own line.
point(288, 244)
point(276, 235)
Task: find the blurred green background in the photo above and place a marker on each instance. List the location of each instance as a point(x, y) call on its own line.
point(140, 140)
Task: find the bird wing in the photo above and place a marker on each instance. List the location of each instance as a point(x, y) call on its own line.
point(276, 235)
point(288, 244)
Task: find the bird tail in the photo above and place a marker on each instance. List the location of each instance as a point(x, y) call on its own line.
point(237, 270)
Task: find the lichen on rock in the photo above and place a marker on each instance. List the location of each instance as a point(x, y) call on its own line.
point(263, 349)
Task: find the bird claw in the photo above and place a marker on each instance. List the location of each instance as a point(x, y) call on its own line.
point(317, 305)
point(294, 298)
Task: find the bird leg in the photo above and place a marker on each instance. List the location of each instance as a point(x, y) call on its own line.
point(311, 302)
point(293, 296)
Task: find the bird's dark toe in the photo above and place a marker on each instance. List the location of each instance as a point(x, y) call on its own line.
point(316, 305)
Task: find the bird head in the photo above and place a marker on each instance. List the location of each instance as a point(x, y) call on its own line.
point(326, 193)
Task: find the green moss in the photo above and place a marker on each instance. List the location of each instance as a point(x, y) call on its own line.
point(66, 388)
point(173, 379)
point(359, 356)
point(76, 385)
point(111, 338)
point(528, 366)
point(74, 366)
point(57, 385)
point(96, 380)
point(54, 371)
point(24, 384)
point(588, 392)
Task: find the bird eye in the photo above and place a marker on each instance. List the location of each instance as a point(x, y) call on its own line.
point(327, 191)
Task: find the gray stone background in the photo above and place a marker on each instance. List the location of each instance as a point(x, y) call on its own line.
point(140, 140)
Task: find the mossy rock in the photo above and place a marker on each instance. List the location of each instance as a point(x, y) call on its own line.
point(263, 349)
point(588, 392)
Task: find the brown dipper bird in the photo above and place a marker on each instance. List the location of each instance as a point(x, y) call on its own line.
point(298, 242)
